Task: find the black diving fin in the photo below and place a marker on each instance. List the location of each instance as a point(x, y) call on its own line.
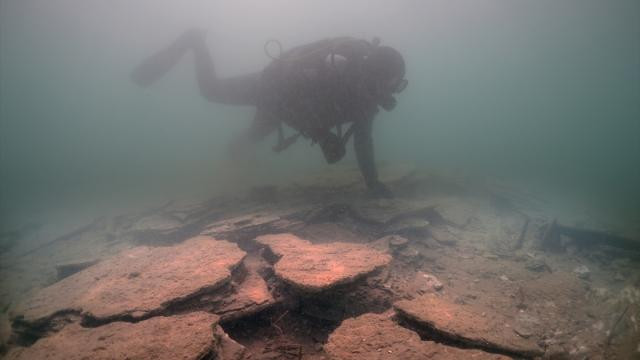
point(158, 64)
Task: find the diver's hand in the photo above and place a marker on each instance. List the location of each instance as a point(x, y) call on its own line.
point(380, 190)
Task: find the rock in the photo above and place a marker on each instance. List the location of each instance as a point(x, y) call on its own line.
point(249, 226)
point(377, 336)
point(248, 297)
point(443, 237)
point(227, 348)
point(391, 212)
point(157, 222)
point(583, 272)
point(537, 265)
point(397, 242)
point(189, 336)
point(381, 244)
point(136, 283)
point(504, 277)
point(314, 268)
point(409, 254)
point(526, 325)
point(458, 322)
point(431, 281)
point(456, 212)
point(5, 331)
point(408, 225)
point(68, 269)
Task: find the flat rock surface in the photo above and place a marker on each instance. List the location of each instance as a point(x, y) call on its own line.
point(156, 338)
point(137, 282)
point(314, 268)
point(377, 336)
point(465, 324)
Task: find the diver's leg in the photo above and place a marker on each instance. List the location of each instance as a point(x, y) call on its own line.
point(239, 90)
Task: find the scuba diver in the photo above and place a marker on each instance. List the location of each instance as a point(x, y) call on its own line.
point(313, 89)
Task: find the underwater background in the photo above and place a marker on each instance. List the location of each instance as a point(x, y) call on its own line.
point(543, 94)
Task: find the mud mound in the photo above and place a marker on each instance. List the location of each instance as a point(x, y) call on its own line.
point(377, 336)
point(314, 268)
point(191, 336)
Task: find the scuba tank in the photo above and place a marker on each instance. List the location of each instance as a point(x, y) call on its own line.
point(322, 63)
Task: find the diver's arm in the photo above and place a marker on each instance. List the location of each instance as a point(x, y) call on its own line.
point(363, 145)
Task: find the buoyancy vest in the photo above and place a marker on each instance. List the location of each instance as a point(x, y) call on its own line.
point(316, 87)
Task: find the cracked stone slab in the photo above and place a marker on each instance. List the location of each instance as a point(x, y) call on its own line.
point(314, 268)
point(461, 323)
point(190, 336)
point(255, 222)
point(377, 336)
point(251, 295)
point(136, 283)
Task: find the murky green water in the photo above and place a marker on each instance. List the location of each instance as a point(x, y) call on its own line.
point(544, 93)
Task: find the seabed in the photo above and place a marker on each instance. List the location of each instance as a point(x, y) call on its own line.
point(448, 269)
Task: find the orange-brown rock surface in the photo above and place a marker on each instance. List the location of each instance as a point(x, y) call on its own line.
point(377, 336)
point(190, 336)
point(247, 297)
point(314, 268)
point(138, 282)
point(466, 324)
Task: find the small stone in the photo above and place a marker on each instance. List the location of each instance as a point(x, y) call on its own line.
point(536, 265)
point(409, 253)
point(397, 242)
point(504, 278)
point(432, 282)
point(583, 272)
point(523, 332)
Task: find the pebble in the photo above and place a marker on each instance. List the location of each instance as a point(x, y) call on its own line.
point(433, 282)
point(583, 272)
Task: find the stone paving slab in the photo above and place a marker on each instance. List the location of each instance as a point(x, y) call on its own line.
point(377, 336)
point(138, 282)
point(466, 324)
point(314, 268)
point(190, 336)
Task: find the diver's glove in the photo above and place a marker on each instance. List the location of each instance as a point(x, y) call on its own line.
point(380, 190)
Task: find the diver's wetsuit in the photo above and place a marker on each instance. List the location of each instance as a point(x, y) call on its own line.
point(312, 88)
